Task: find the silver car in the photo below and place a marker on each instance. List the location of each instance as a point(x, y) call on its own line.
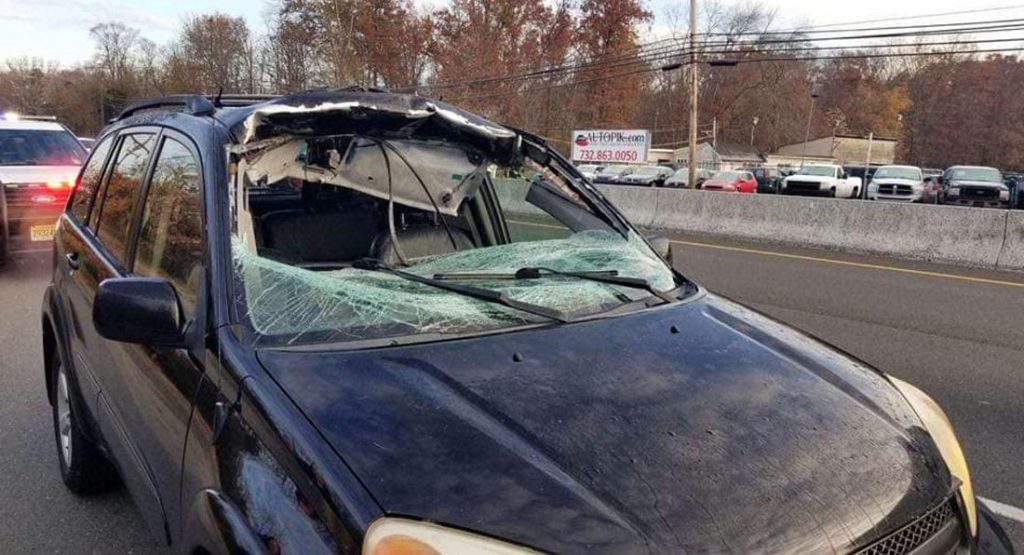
point(680, 179)
point(902, 183)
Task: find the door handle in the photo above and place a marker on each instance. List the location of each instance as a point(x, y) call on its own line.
point(72, 258)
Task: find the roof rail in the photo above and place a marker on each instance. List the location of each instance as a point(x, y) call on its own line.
point(37, 118)
point(236, 100)
point(195, 105)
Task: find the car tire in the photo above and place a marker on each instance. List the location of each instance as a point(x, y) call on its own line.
point(832, 192)
point(82, 467)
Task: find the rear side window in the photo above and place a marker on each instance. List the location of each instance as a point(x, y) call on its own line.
point(85, 193)
point(122, 192)
point(170, 241)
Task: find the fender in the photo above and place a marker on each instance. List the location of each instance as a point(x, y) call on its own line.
point(217, 525)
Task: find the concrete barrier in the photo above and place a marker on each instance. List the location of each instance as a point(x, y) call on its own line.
point(966, 236)
point(1012, 255)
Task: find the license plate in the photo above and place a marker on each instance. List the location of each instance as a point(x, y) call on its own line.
point(41, 232)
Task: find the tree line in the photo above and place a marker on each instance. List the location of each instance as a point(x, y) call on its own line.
point(554, 66)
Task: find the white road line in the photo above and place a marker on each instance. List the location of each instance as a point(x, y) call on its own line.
point(1004, 510)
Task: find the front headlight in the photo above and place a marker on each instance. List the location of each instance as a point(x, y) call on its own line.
point(954, 190)
point(1004, 195)
point(399, 536)
point(941, 430)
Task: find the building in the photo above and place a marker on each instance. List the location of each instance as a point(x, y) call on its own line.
point(723, 156)
point(844, 150)
point(660, 156)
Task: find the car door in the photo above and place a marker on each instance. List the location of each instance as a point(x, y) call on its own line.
point(106, 255)
point(152, 388)
point(76, 272)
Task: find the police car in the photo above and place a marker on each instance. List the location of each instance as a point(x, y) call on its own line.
point(39, 162)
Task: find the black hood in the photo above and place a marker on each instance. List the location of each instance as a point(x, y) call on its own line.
point(698, 427)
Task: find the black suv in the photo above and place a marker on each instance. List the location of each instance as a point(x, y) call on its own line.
point(352, 320)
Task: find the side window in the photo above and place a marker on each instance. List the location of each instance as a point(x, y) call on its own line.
point(170, 241)
point(122, 191)
point(525, 220)
point(85, 192)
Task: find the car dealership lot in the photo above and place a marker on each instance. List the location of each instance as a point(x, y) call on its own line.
point(953, 332)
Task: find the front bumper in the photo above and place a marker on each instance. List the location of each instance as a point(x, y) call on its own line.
point(992, 539)
point(913, 197)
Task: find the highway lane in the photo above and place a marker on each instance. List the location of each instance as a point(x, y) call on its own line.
point(37, 514)
point(960, 340)
point(958, 334)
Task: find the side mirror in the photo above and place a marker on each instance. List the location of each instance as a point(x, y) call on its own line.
point(662, 246)
point(138, 310)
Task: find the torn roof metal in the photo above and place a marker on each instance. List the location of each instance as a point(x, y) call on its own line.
point(371, 113)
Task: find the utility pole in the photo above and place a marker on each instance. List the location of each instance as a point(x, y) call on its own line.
point(693, 94)
point(810, 113)
point(867, 167)
point(752, 127)
point(714, 132)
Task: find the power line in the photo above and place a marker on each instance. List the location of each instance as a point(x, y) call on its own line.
point(748, 61)
point(667, 52)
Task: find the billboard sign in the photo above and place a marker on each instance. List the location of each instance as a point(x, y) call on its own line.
point(618, 146)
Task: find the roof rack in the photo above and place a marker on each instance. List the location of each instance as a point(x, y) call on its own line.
point(196, 105)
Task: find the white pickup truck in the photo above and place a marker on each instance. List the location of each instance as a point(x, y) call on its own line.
point(824, 180)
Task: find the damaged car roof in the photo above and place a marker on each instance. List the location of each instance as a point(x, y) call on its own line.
point(367, 112)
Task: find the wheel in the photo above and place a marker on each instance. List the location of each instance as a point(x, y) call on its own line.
point(832, 193)
point(856, 192)
point(82, 467)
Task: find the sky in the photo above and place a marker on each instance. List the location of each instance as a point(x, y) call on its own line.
point(58, 30)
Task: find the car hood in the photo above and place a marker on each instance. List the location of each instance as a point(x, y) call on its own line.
point(37, 174)
point(697, 427)
point(896, 181)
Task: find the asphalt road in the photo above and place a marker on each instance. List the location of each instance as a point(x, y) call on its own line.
point(957, 334)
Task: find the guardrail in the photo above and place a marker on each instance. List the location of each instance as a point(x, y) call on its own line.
point(978, 237)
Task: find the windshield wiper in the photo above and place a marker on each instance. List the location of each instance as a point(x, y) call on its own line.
point(479, 293)
point(610, 277)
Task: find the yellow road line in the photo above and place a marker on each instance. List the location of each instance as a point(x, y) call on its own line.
point(854, 264)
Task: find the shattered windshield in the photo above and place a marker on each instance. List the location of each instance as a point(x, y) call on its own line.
point(309, 215)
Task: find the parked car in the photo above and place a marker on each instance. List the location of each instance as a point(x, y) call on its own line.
point(589, 170)
point(768, 179)
point(645, 176)
point(39, 159)
point(732, 182)
point(976, 186)
point(901, 183)
point(823, 180)
point(611, 174)
point(680, 179)
point(297, 328)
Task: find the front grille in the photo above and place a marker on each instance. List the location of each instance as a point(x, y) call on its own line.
point(803, 186)
point(913, 535)
point(979, 193)
point(888, 189)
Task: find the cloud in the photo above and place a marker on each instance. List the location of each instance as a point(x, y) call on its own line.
point(81, 14)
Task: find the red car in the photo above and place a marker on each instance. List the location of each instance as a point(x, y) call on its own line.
point(732, 182)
